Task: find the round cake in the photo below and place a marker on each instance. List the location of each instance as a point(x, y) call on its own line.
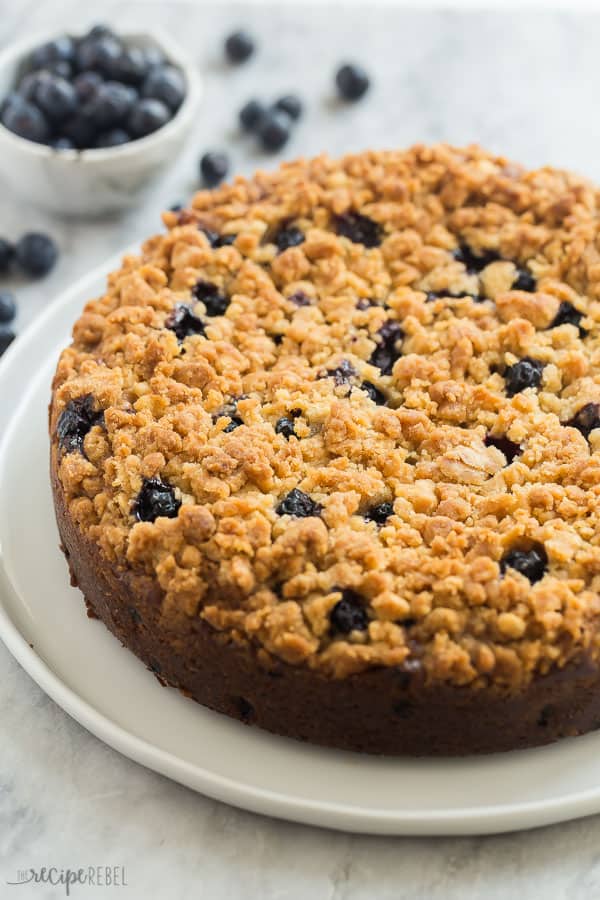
point(326, 454)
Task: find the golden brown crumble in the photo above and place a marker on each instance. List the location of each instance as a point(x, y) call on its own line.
point(429, 577)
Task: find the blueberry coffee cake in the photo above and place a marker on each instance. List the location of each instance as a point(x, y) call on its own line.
point(326, 454)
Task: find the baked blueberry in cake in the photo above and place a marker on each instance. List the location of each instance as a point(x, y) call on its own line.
point(326, 453)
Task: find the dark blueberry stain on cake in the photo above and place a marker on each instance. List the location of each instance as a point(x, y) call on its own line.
point(298, 504)
point(77, 418)
point(365, 303)
point(568, 315)
point(184, 322)
point(155, 666)
point(233, 424)
point(474, 262)
point(374, 393)
point(380, 513)
point(524, 281)
point(211, 236)
point(135, 615)
point(289, 237)
point(299, 298)
point(545, 716)
point(437, 295)
point(342, 374)
point(214, 302)
point(505, 445)
point(245, 710)
point(285, 426)
point(349, 614)
point(530, 563)
point(386, 352)
point(586, 419)
point(156, 498)
point(359, 229)
point(526, 373)
point(224, 240)
point(403, 709)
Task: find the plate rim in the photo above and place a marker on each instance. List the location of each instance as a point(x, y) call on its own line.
point(490, 819)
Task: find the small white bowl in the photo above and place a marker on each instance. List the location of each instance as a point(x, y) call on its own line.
point(92, 182)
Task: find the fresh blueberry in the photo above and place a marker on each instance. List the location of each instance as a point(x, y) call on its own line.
point(165, 83)
point(62, 68)
point(111, 104)
point(183, 322)
point(504, 445)
point(131, 67)
point(380, 513)
point(86, 85)
point(214, 302)
point(285, 426)
point(567, 315)
point(214, 167)
point(57, 98)
point(239, 46)
point(359, 229)
point(36, 253)
point(586, 419)
point(299, 504)
point(147, 116)
point(6, 339)
point(289, 237)
point(77, 418)
point(80, 129)
point(62, 143)
point(274, 130)
point(116, 137)
point(7, 252)
point(526, 373)
point(26, 120)
point(155, 499)
point(251, 115)
point(291, 105)
point(100, 54)
point(61, 49)
point(8, 307)
point(352, 81)
point(154, 57)
point(28, 85)
point(374, 393)
point(524, 281)
point(100, 30)
point(530, 563)
point(349, 614)
point(386, 352)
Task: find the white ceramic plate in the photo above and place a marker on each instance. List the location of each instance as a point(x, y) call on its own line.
point(102, 685)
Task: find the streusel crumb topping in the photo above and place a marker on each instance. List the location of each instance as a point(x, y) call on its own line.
point(347, 412)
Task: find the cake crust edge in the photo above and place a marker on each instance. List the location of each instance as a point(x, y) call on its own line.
point(387, 711)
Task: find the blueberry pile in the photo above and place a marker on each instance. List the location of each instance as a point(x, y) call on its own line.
point(92, 91)
point(34, 255)
point(271, 123)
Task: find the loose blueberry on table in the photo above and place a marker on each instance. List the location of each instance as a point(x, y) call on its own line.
point(239, 46)
point(93, 91)
point(214, 167)
point(352, 81)
point(36, 254)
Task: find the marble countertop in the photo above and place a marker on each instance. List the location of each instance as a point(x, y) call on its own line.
point(523, 84)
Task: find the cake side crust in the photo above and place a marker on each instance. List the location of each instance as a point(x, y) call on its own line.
point(383, 711)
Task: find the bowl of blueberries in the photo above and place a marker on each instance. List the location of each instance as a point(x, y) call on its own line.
point(88, 121)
